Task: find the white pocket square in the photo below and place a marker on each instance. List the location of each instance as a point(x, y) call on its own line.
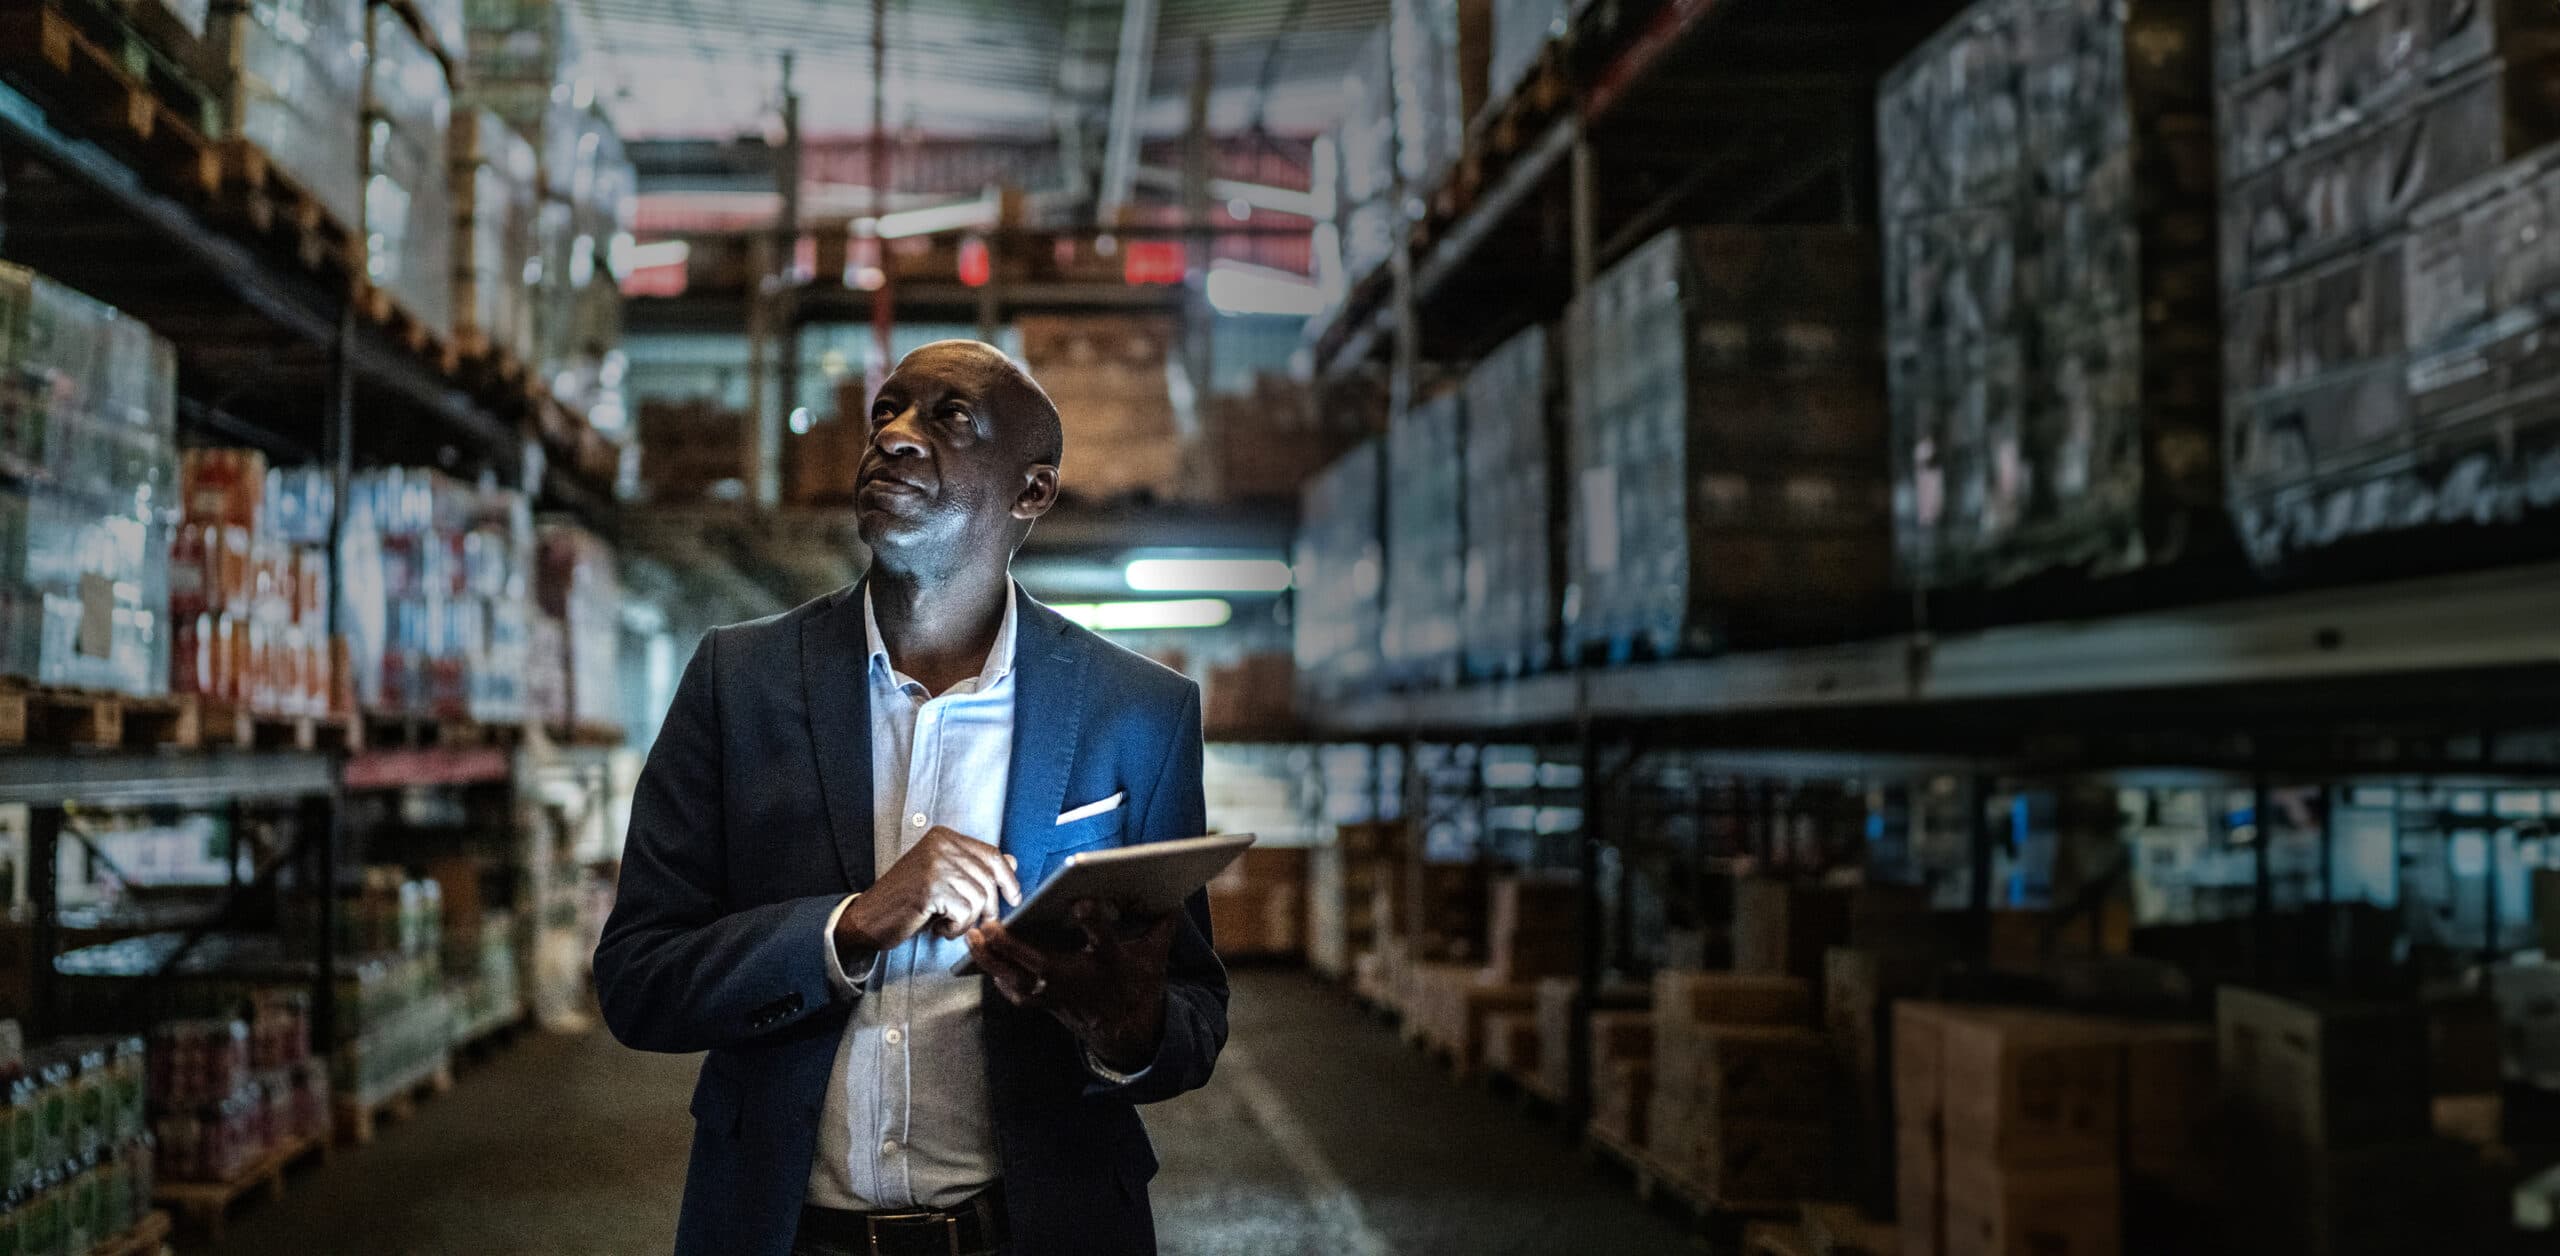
point(1092, 809)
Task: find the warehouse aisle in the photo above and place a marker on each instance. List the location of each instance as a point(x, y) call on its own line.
point(1322, 1136)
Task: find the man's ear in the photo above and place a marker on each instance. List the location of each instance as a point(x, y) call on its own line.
point(1039, 493)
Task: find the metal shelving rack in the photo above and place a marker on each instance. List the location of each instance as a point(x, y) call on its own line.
point(1668, 113)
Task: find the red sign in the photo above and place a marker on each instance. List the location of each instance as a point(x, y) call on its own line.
point(1152, 261)
point(974, 267)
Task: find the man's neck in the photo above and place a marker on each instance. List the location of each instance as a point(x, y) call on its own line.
point(940, 629)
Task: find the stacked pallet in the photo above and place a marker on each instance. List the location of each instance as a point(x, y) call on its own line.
point(1508, 622)
point(1860, 988)
point(1449, 1009)
point(1365, 146)
point(1426, 529)
point(1727, 450)
point(2338, 121)
point(1785, 927)
point(2049, 259)
point(1736, 1110)
point(2330, 1129)
point(1257, 905)
point(408, 219)
point(1341, 566)
point(1437, 50)
point(296, 90)
point(1621, 1019)
point(1342, 891)
point(1522, 32)
point(1107, 376)
point(2026, 1130)
point(496, 186)
point(1530, 930)
point(690, 448)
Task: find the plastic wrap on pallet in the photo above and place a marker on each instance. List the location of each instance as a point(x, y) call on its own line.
point(88, 486)
point(577, 586)
point(1426, 541)
point(437, 573)
point(2051, 305)
point(1364, 147)
point(1340, 566)
point(529, 66)
point(1521, 31)
point(248, 600)
point(1436, 90)
point(408, 200)
point(2336, 128)
point(1509, 616)
point(299, 81)
point(495, 186)
point(1727, 448)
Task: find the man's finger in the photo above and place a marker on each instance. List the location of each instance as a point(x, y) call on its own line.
point(995, 870)
point(1012, 950)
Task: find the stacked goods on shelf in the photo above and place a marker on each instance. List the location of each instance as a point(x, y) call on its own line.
point(1530, 928)
point(1783, 927)
point(1522, 29)
point(1259, 445)
point(1365, 145)
point(2047, 203)
point(297, 86)
point(496, 207)
point(1621, 1032)
point(76, 1158)
point(1107, 375)
point(1622, 1097)
point(227, 1091)
point(576, 585)
point(1426, 548)
point(1736, 1113)
point(408, 198)
point(88, 474)
point(1436, 910)
point(696, 449)
point(395, 1024)
point(1727, 451)
point(1449, 1008)
point(249, 584)
point(1340, 566)
point(1342, 889)
point(2329, 1129)
point(1438, 51)
point(2029, 1130)
point(434, 596)
point(1509, 616)
point(481, 982)
point(1258, 905)
point(1861, 985)
point(546, 671)
point(2338, 123)
point(578, 341)
point(1254, 695)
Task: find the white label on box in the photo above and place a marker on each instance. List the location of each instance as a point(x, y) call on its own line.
point(97, 636)
point(1600, 518)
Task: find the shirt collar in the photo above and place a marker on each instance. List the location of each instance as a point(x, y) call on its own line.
point(999, 662)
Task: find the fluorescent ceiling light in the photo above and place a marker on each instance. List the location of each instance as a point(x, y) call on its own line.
point(1207, 575)
point(956, 216)
point(1237, 288)
point(1196, 612)
point(658, 253)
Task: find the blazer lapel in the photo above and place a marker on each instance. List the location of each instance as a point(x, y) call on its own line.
point(835, 660)
point(1048, 715)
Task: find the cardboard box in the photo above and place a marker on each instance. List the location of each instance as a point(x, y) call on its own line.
point(1920, 1191)
point(1919, 1062)
point(1784, 927)
point(1531, 930)
point(1683, 995)
point(1621, 1095)
point(2323, 1072)
point(1997, 1211)
point(1746, 1072)
point(2032, 1090)
point(1753, 1164)
point(1511, 1045)
point(2479, 1120)
point(2171, 1092)
point(1621, 1029)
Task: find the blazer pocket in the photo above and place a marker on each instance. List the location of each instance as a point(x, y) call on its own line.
point(1100, 831)
point(1092, 809)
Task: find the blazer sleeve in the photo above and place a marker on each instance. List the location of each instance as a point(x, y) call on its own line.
point(1195, 1014)
point(675, 970)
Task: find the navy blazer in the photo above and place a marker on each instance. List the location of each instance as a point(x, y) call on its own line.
point(752, 821)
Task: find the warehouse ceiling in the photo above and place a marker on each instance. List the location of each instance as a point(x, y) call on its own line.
point(712, 68)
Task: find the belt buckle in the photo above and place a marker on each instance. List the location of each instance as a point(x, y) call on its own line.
point(950, 1227)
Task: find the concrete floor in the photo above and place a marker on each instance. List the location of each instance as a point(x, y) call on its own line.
point(1321, 1136)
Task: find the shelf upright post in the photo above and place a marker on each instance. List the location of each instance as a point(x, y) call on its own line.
point(1979, 900)
point(2262, 893)
point(44, 885)
point(324, 817)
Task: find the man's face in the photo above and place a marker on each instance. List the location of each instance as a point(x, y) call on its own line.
point(944, 474)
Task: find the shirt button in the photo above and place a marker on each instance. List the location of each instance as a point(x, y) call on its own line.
point(889, 1147)
point(917, 819)
point(893, 1037)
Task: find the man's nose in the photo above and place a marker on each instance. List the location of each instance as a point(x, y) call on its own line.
point(898, 437)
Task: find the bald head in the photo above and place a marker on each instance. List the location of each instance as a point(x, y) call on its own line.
point(1026, 417)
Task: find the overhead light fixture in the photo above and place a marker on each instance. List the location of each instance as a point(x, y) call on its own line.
point(1193, 612)
point(800, 420)
point(1238, 288)
point(1207, 575)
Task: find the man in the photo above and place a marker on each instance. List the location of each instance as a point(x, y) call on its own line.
point(840, 801)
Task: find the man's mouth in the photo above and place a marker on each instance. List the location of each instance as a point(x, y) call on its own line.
point(891, 483)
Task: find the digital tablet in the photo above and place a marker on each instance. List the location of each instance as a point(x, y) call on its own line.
point(1149, 879)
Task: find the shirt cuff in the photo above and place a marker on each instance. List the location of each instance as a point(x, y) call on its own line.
point(1094, 1065)
point(845, 985)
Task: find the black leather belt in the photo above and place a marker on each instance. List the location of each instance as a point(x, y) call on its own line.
point(970, 1229)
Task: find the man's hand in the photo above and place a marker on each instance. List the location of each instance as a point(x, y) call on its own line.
point(1107, 989)
point(949, 881)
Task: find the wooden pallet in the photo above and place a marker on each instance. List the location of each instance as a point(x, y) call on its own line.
point(173, 720)
point(148, 1237)
point(1659, 1184)
point(357, 1119)
point(271, 204)
point(588, 733)
point(45, 42)
point(381, 308)
point(39, 715)
point(418, 732)
point(203, 1205)
point(230, 724)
